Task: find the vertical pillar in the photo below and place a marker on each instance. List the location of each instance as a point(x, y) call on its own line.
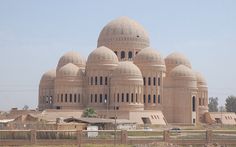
point(79, 138)
point(209, 136)
point(124, 137)
point(166, 136)
point(33, 136)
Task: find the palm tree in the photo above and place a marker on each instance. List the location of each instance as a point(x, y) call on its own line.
point(89, 112)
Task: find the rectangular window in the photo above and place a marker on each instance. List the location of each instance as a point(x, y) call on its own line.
point(91, 80)
point(136, 97)
point(154, 81)
point(127, 97)
point(144, 81)
point(144, 98)
point(149, 81)
point(159, 81)
point(96, 80)
point(193, 103)
point(122, 97)
point(78, 98)
point(101, 80)
point(159, 99)
point(105, 80)
point(100, 98)
point(200, 101)
point(154, 98)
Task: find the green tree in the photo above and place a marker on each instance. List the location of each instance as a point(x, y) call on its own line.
point(89, 112)
point(213, 104)
point(230, 104)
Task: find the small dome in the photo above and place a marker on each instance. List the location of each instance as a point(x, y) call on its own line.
point(149, 57)
point(48, 76)
point(71, 57)
point(200, 78)
point(102, 55)
point(123, 32)
point(69, 70)
point(182, 71)
point(176, 59)
point(127, 68)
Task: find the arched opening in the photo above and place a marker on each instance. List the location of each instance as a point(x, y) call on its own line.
point(193, 104)
point(122, 54)
point(130, 55)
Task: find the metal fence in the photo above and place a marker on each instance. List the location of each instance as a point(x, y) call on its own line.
point(78, 137)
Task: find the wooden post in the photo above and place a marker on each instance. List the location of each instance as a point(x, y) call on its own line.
point(33, 136)
point(79, 138)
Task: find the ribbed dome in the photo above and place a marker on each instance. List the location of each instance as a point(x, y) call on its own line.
point(71, 57)
point(48, 76)
point(127, 68)
point(69, 70)
point(176, 59)
point(102, 55)
point(181, 71)
point(149, 57)
point(200, 79)
point(123, 32)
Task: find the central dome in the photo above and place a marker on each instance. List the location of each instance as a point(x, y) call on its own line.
point(123, 34)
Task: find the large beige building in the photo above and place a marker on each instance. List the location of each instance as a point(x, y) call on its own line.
point(127, 78)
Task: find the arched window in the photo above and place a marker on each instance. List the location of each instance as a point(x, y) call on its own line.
point(61, 97)
point(75, 97)
point(96, 80)
point(122, 97)
point(132, 97)
point(130, 55)
point(100, 98)
point(91, 98)
point(159, 99)
point(127, 97)
point(100, 80)
point(95, 98)
point(105, 80)
point(154, 98)
point(193, 104)
point(70, 97)
point(118, 97)
point(65, 97)
point(159, 81)
point(154, 81)
point(149, 98)
point(91, 81)
point(122, 54)
point(149, 81)
point(78, 98)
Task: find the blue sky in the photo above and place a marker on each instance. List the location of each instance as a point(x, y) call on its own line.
point(34, 34)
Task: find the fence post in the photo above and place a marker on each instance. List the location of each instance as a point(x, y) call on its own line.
point(209, 136)
point(79, 137)
point(166, 136)
point(124, 137)
point(33, 136)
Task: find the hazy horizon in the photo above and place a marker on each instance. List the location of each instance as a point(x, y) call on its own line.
point(35, 34)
